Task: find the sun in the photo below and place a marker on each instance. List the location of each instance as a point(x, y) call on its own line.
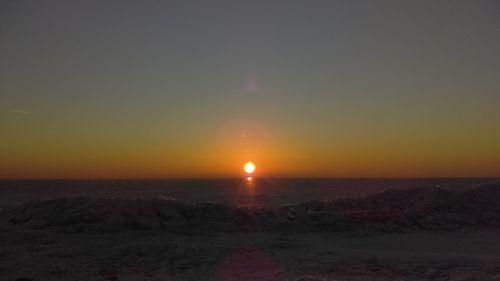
point(249, 168)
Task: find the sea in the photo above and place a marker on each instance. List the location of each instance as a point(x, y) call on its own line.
point(265, 192)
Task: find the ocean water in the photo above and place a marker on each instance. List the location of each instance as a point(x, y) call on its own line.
point(268, 192)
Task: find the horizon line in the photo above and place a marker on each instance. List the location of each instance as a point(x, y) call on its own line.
point(242, 177)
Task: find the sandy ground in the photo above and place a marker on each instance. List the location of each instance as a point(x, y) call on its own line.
point(155, 255)
point(396, 235)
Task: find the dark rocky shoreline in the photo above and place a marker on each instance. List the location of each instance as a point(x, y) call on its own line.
point(408, 235)
point(388, 211)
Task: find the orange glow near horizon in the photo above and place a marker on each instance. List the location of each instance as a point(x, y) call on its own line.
point(222, 153)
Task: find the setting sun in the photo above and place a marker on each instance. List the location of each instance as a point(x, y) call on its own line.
point(249, 167)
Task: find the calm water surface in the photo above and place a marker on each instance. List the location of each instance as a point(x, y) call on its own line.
point(260, 191)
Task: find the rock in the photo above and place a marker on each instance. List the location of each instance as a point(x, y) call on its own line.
point(170, 218)
point(388, 211)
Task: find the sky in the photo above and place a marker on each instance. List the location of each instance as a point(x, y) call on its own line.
point(195, 89)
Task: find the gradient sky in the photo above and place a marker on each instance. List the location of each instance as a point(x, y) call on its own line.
point(159, 89)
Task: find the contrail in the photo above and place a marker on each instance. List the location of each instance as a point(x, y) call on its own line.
point(19, 111)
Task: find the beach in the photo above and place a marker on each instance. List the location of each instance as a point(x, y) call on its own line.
point(396, 234)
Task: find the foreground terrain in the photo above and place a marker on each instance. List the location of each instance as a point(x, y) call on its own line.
point(420, 234)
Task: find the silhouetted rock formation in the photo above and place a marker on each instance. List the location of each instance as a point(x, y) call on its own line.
point(387, 211)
